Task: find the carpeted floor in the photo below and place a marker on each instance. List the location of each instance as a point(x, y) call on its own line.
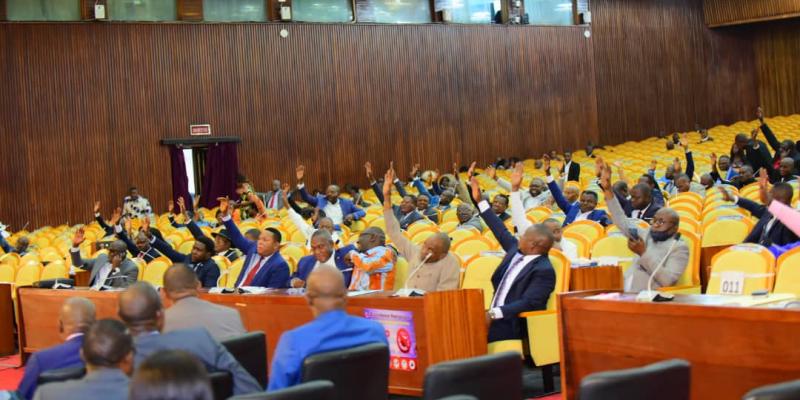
point(10, 373)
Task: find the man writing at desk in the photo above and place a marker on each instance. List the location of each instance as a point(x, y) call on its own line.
point(434, 268)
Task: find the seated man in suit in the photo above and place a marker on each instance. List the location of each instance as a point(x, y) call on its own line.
point(524, 279)
point(660, 244)
point(406, 213)
point(499, 206)
point(303, 225)
point(536, 195)
point(332, 329)
point(433, 267)
point(641, 204)
point(21, 248)
point(222, 240)
point(141, 310)
point(323, 252)
point(373, 262)
point(768, 230)
point(181, 287)
point(721, 170)
point(199, 260)
point(684, 184)
point(786, 171)
point(107, 351)
point(113, 269)
point(424, 208)
point(578, 210)
point(467, 218)
point(263, 265)
point(76, 316)
point(341, 211)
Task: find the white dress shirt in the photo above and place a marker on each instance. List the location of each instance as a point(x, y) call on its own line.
point(515, 268)
point(583, 216)
point(102, 275)
point(334, 212)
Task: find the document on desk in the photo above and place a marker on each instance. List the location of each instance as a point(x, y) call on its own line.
point(361, 292)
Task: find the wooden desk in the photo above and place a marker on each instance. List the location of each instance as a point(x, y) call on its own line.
point(732, 350)
point(448, 325)
point(591, 278)
point(6, 320)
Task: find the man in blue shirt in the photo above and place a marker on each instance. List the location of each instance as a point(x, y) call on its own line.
point(332, 329)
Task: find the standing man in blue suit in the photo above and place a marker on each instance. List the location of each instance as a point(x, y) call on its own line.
point(322, 253)
point(524, 279)
point(263, 266)
point(579, 210)
point(340, 211)
point(76, 317)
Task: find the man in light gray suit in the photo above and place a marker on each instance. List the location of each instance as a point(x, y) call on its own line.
point(141, 310)
point(189, 311)
point(113, 270)
point(657, 248)
point(107, 351)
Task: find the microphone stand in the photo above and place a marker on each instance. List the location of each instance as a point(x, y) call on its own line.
point(651, 295)
point(405, 291)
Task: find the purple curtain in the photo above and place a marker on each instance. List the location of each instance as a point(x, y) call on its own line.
point(222, 165)
point(180, 182)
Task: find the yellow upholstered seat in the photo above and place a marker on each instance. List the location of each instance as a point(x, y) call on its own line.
point(614, 245)
point(7, 273)
point(469, 247)
point(400, 273)
point(726, 231)
point(755, 262)
point(478, 275)
point(590, 229)
point(28, 273)
point(787, 279)
point(154, 272)
point(233, 273)
point(55, 270)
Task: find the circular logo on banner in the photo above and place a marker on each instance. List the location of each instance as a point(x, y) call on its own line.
point(403, 340)
point(412, 365)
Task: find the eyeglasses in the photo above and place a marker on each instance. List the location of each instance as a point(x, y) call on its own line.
point(661, 221)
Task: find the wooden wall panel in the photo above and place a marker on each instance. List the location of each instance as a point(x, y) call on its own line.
point(83, 122)
point(732, 12)
point(777, 46)
point(654, 71)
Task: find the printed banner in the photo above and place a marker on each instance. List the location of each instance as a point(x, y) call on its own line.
point(399, 327)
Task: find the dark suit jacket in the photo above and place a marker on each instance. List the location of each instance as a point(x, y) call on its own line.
point(307, 263)
point(274, 274)
point(649, 212)
point(573, 210)
point(530, 290)
point(147, 256)
point(759, 158)
point(127, 268)
point(348, 208)
point(574, 173)
point(102, 384)
point(779, 234)
point(207, 271)
point(64, 355)
point(199, 342)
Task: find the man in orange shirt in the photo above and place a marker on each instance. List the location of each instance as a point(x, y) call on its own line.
point(373, 263)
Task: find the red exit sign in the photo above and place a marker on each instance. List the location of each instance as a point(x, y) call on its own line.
point(200, 130)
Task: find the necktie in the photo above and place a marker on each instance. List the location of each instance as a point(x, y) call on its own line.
point(503, 282)
point(249, 278)
point(764, 240)
point(273, 199)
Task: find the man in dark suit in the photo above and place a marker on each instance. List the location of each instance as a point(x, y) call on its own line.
point(783, 149)
point(341, 211)
point(199, 260)
point(768, 230)
point(755, 151)
point(571, 170)
point(113, 269)
point(499, 206)
point(585, 208)
point(406, 213)
point(141, 309)
point(641, 204)
point(524, 279)
point(108, 354)
point(222, 241)
point(322, 252)
point(263, 265)
point(76, 316)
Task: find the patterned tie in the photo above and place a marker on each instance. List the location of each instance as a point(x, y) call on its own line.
point(249, 279)
point(501, 287)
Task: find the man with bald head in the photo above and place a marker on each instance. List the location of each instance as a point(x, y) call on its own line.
point(181, 285)
point(323, 251)
point(76, 316)
point(373, 262)
point(107, 270)
point(786, 170)
point(341, 211)
point(525, 277)
point(658, 247)
point(431, 266)
point(332, 329)
point(141, 310)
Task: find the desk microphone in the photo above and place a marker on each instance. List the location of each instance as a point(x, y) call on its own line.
point(405, 291)
point(109, 287)
point(649, 294)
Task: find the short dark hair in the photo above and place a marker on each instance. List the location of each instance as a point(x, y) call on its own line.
point(502, 196)
point(591, 193)
point(171, 374)
point(650, 180)
point(206, 241)
point(106, 343)
point(276, 234)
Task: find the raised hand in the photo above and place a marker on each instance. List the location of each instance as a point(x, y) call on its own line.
point(224, 205)
point(605, 178)
point(300, 172)
point(492, 172)
point(116, 216)
point(763, 178)
point(196, 202)
point(713, 158)
point(516, 177)
point(96, 207)
point(599, 164)
point(78, 237)
point(676, 165)
point(127, 224)
point(146, 226)
point(455, 170)
point(170, 207)
point(368, 168)
point(725, 194)
point(181, 204)
point(754, 134)
point(476, 189)
point(760, 114)
point(653, 165)
point(546, 164)
point(685, 141)
point(388, 180)
point(414, 171)
point(471, 170)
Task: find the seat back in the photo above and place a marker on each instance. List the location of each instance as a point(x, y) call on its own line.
point(561, 265)
point(590, 229)
point(61, 374)
point(233, 272)
point(614, 245)
point(55, 270)
point(725, 231)
point(250, 350)
point(495, 376)
point(28, 274)
point(221, 384)
point(756, 263)
point(317, 390)
point(469, 247)
point(478, 275)
point(666, 380)
point(787, 279)
point(400, 272)
point(358, 373)
point(7, 273)
point(154, 272)
point(779, 391)
point(691, 275)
